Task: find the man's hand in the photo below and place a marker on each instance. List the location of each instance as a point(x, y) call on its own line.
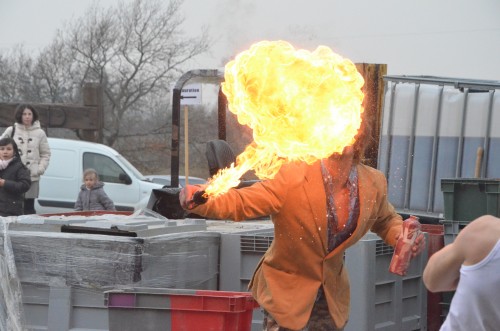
point(419, 245)
point(186, 197)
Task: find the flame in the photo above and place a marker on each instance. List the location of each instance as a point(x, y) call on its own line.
point(301, 106)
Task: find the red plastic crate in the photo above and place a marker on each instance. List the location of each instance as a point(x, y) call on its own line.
point(435, 242)
point(179, 310)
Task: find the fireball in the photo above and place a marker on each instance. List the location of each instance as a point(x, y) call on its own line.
point(300, 105)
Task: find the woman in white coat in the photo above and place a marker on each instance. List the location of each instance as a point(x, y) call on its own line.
point(33, 148)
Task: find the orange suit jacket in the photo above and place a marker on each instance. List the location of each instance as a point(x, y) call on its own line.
point(287, 279)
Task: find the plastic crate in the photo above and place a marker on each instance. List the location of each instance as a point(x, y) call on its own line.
point(446, 302)
point(452, 229)
point(239, 255)
point(379, 300)
point(435, 242)
point(64, 275)
point(465, 199)
point(179, 310)
point(63, 308)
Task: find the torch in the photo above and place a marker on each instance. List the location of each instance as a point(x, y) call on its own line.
point(199, 198)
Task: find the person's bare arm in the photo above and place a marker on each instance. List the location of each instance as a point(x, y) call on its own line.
point(443, 269)
point(471, 246)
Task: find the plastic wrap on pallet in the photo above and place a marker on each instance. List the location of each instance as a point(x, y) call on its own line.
point(53, 267)
point(76, 259)
point(188, 261)
point(11, 312)
point(45, 256)
point(95, 261)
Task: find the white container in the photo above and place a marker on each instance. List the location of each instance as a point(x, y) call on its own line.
point(431, 129)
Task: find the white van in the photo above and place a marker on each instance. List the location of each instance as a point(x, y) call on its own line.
point(60, 184)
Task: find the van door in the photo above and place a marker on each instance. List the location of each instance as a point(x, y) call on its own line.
point(60, 184)
point(120, 186)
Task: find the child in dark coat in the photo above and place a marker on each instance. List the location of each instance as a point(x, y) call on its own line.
point(92, 195)
point(14, 179)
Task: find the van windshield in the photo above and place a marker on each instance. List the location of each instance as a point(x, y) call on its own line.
point(130, 167)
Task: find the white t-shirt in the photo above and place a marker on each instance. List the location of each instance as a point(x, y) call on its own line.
point(476, 303)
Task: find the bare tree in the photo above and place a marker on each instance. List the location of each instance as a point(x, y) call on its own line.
point(52, 80)
point(133, 51)
point(15, 75)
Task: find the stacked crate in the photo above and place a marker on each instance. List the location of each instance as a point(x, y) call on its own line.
point(466, 199)
point(379, 300)
point(65, 264)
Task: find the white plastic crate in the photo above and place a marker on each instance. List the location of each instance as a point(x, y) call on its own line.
point(239, 255)
point(61, 308)
point(381, 300)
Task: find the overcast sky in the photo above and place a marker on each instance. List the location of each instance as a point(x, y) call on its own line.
point(453, 38)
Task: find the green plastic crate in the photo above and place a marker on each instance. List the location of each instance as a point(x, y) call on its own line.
point(465, 199)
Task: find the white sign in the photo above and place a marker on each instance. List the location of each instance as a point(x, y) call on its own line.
point(191, 94)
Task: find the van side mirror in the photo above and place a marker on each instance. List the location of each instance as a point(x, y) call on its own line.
point(123, 177)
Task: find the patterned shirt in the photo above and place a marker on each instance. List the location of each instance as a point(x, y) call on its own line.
point(335, 238)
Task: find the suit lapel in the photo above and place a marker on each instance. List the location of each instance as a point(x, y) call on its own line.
point(314, 189)
point(367, 194)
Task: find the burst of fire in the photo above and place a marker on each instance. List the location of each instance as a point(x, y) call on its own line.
point(300, 105)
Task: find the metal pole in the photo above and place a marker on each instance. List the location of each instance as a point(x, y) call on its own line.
point(205, 75)
point(435, 149)
point(186, 145)
point(460, 152)
point(487, 137)
point(389, 131)
point(411, 149)
point(221, 111)
point(174, 151)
